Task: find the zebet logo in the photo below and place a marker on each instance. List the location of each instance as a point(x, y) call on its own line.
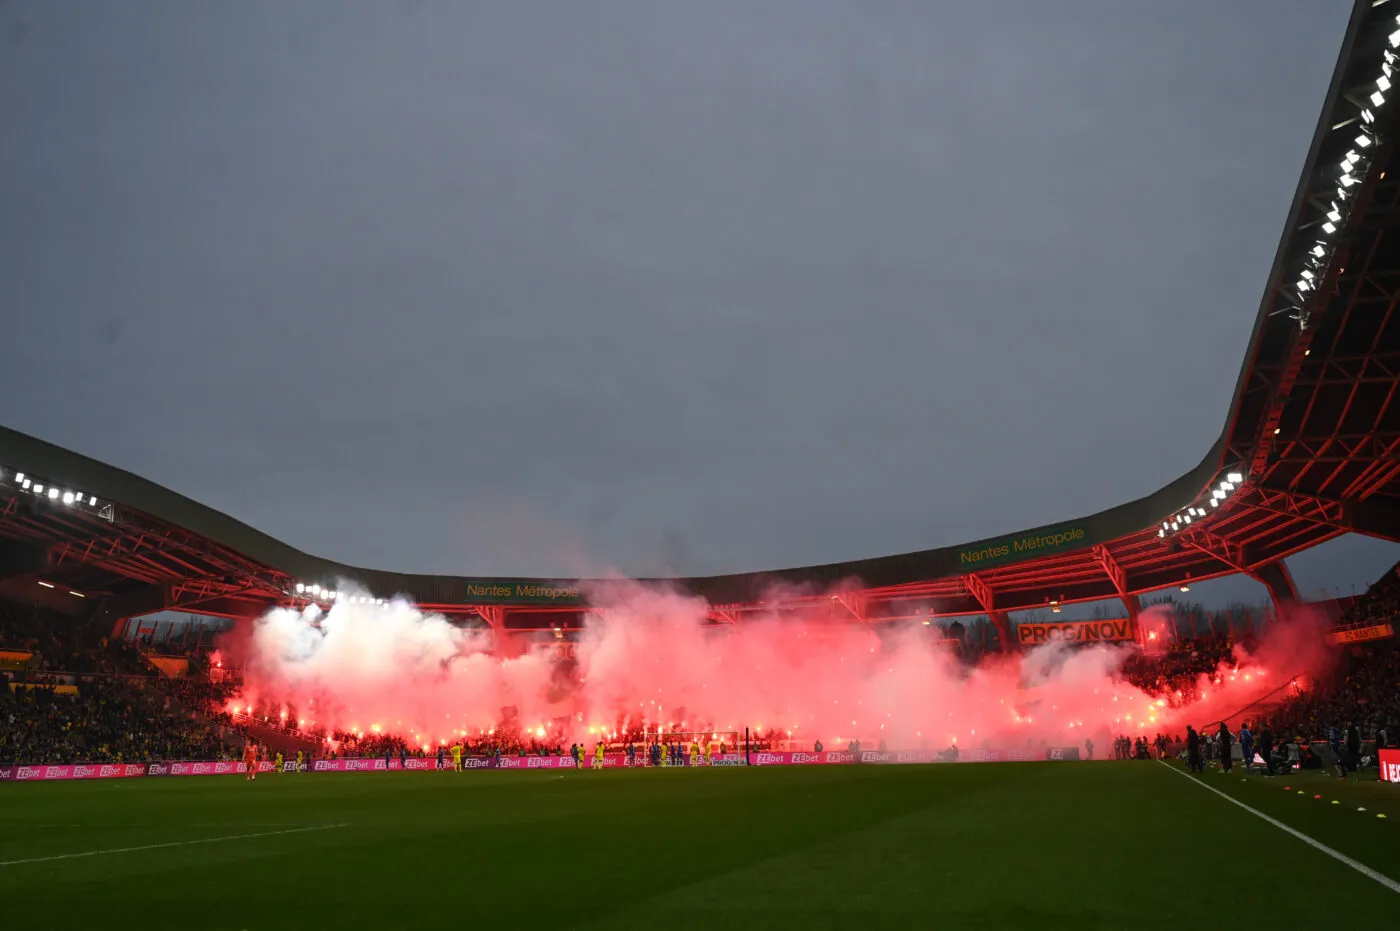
point(1058, 753)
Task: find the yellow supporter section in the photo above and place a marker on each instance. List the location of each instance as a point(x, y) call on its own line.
point(58, 689)
point(175, 667)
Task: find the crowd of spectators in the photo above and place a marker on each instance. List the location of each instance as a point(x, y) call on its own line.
point(58, 642)
point(1177, 675)
point(1380, 603)
point(105, 720)
point(1364, 690)
point(80, 696)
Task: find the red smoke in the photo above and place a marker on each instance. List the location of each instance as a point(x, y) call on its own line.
point(647, 658)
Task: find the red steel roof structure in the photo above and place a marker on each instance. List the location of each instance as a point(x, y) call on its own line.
point(1310, 450)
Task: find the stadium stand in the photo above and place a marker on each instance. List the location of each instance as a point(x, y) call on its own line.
point(1309, 451)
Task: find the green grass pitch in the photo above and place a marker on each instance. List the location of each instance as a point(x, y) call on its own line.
point(1014, 845)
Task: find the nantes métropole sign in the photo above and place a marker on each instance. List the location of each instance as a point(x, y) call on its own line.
point(522, 592)
point(1025, 546)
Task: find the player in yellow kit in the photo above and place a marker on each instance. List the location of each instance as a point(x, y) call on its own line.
point(277, 762)
point(457, 757)
point(695, 753)
point(598, 755)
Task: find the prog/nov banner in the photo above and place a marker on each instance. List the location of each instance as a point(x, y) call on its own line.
point(1115, 631)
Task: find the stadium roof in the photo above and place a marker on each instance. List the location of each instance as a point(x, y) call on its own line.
point(1311, 439)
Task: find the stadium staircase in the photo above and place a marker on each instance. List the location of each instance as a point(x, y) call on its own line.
point(276, 738)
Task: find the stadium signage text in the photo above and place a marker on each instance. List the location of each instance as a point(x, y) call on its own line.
point(1362, 634)
point(1076, 632)
point(1390, 766)
point(1026, 546)
point(489, 591)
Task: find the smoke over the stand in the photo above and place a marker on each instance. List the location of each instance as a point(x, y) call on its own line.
point(646, 657)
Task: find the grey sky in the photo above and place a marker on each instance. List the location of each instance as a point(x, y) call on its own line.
point(550, 288)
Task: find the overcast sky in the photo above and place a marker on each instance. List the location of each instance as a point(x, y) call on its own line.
point(557, 288)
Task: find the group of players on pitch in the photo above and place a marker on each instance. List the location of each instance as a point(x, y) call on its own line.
point(661, 755)
point(252, 754)
point(671, 754)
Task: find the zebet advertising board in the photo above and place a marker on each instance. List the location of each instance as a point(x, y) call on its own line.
point(1390, 766)
point(41, 772)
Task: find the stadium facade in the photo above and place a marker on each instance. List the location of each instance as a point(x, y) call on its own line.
point(1310, 450)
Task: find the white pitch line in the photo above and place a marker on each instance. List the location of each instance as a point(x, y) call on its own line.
point(177, 843)
point(1337, 855)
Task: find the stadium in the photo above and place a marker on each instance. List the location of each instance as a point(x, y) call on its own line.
point(717, 813)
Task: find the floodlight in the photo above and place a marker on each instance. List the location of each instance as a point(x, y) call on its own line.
point(92, 500)
point(26, 484)
point(1318, 251)
point(38, 489)
point(1161, 533)
point(1378, 98)
point(1335, 215)
point(1234, 477)
point(1214, 503)
point(1351, 158)
point(1383, 82)
point(19, 477)
point(1328, 228)
point(300, 588)
point(1307, 274)
point(1175, 526)
point(67, 497)
point(1303, 284)
point(53, 494)
point(1216, 494)
point(46, 584)
point(1226, 486)
point(1187, 518)
point(1367, 116)
point(1362, 141)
